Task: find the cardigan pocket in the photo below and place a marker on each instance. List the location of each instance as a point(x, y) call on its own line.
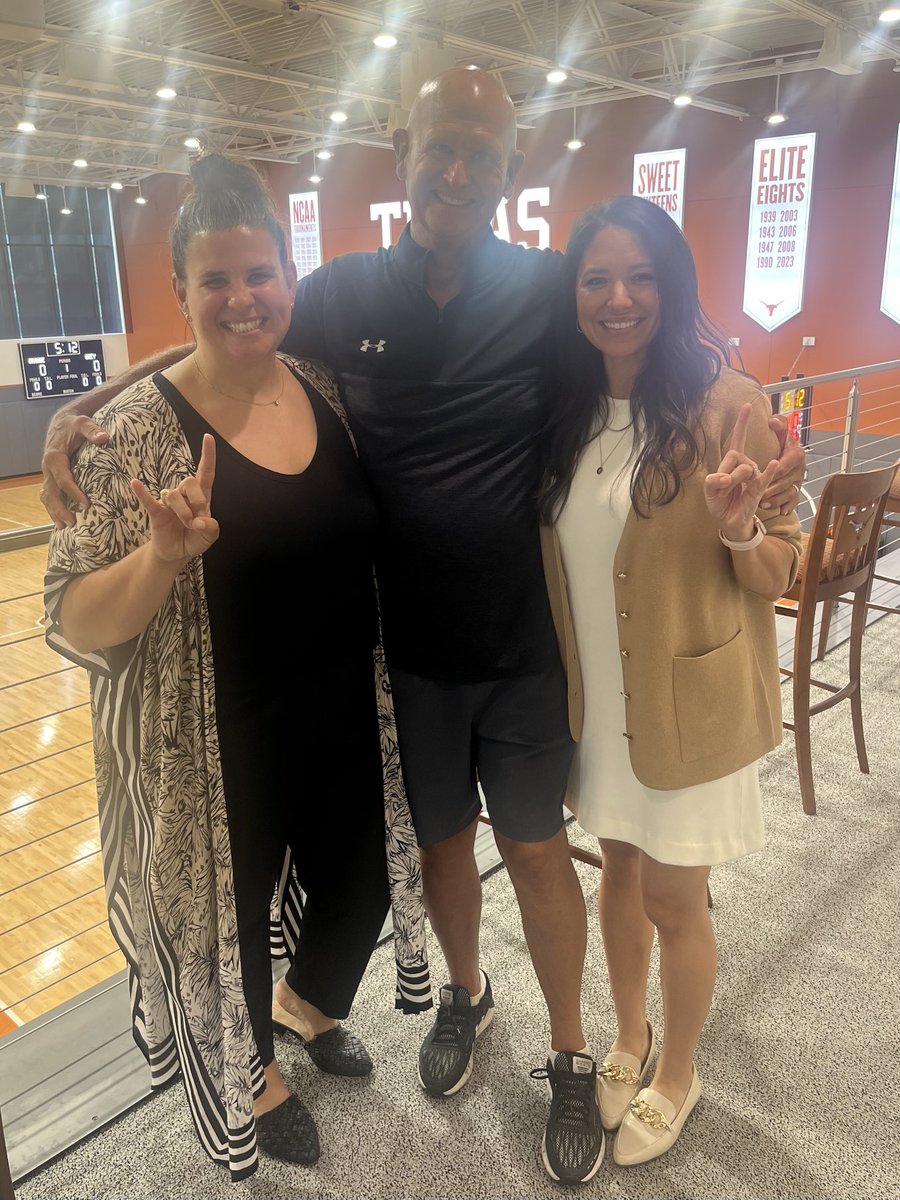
point(715, 707)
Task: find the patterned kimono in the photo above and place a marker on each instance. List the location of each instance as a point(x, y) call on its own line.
point(166, 850)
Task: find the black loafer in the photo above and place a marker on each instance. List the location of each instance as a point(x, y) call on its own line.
point(339, 1052)
point(289, 1133)
point(336, 1051)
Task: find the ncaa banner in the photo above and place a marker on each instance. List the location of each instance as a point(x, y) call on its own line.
point(890, 293)
point(306, 237)
point(659, 177)
point(780, 193)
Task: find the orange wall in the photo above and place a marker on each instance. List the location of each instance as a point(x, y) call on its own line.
point(152, 317)
point(856, 122)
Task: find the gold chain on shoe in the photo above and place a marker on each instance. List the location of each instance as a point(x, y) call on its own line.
point(619, 1073)
point(648, 1114)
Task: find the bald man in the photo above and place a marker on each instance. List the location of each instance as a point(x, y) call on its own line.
point(441, 345)
point(442, 348)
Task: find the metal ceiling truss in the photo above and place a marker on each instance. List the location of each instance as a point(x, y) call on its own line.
point(260, 77)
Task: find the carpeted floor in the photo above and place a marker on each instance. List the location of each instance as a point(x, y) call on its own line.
point(800, 1058)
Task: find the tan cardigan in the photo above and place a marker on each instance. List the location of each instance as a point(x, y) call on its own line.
point(698, 653)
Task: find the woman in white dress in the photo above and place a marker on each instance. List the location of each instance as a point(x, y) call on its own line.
point(657, 462)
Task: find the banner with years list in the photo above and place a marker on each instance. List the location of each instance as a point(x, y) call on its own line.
point(780, 193)
point(306, 237)
point(890, 293)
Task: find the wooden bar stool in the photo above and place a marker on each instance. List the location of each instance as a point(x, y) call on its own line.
point(838, 562)
point(889, 520)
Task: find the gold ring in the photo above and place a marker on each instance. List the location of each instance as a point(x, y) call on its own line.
point(164, 495)
point(797, 486)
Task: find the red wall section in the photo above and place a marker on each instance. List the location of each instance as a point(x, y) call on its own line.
point(154, 319)
point(855, 119)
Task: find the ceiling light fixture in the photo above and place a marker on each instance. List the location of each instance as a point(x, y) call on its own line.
point(25, 127)
point(140, 198)
point(192, 143)
point(890, 15)
point(41, 194)
point(557, 74)
point(325, 154)
point(166, 93)
point(81, 163)
point(338, 116)
point(574, 142)
point(776, 116)
point(117, 185)
point(385, 41)
point(65, 211)
point(682, 100)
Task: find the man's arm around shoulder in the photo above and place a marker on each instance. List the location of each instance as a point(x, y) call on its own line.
point(72, 424)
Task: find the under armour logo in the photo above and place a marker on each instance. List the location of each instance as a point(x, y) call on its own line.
point(378, 347)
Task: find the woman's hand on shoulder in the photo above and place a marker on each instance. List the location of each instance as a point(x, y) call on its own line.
point(181, 525)
point(733, 493)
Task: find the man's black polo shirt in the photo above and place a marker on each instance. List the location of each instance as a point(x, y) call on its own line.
point(446, 407)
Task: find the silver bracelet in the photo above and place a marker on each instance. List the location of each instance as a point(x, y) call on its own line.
point(752, 543)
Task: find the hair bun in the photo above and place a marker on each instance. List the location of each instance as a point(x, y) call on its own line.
point(215, 173)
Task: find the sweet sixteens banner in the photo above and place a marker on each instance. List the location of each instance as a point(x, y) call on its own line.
point(780, 194)
point(306, 240)
point(890, 293)
point(659, 177)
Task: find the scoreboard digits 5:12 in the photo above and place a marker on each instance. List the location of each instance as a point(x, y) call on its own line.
point(62, 368)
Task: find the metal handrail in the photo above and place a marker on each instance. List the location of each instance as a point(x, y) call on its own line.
point(853, 373)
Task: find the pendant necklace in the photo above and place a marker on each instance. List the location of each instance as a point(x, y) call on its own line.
point(604, 458)
point(240, 399)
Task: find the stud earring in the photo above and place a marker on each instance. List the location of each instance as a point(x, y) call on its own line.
point(578, 327)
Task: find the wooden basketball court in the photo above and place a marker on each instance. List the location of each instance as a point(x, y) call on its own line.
point(54, 938)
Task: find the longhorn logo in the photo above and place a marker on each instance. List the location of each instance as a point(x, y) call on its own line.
point(771, 307)
point(378, 347)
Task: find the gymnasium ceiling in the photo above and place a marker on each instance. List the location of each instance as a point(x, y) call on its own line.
point(261, 77)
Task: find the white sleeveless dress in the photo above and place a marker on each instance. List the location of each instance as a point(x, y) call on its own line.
point(702, 825)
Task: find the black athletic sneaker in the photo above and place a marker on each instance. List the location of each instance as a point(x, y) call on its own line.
point(573, 1144)
point(445, 1059)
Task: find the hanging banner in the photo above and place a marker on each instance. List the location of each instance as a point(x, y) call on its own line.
point(306, 238)
point(659, 177)
point(779, 221)
point(890, 293)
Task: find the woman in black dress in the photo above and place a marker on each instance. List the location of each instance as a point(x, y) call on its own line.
point(243, 728)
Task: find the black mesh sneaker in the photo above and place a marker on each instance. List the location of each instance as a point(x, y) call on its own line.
point(573, 1144)
point(445, 1059)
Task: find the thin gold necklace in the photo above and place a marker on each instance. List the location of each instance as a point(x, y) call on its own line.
point(604, 458)
point(240, 399)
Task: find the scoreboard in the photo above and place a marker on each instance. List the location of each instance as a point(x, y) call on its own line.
point(63, 368)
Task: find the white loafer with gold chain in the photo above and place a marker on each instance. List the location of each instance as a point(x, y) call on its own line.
point(651, 1126)
point(619, 1079)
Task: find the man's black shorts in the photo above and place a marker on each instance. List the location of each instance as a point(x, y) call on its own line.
point(511, 735)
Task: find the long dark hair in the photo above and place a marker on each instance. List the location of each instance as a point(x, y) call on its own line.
point(682, 362)
point(225, 193)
